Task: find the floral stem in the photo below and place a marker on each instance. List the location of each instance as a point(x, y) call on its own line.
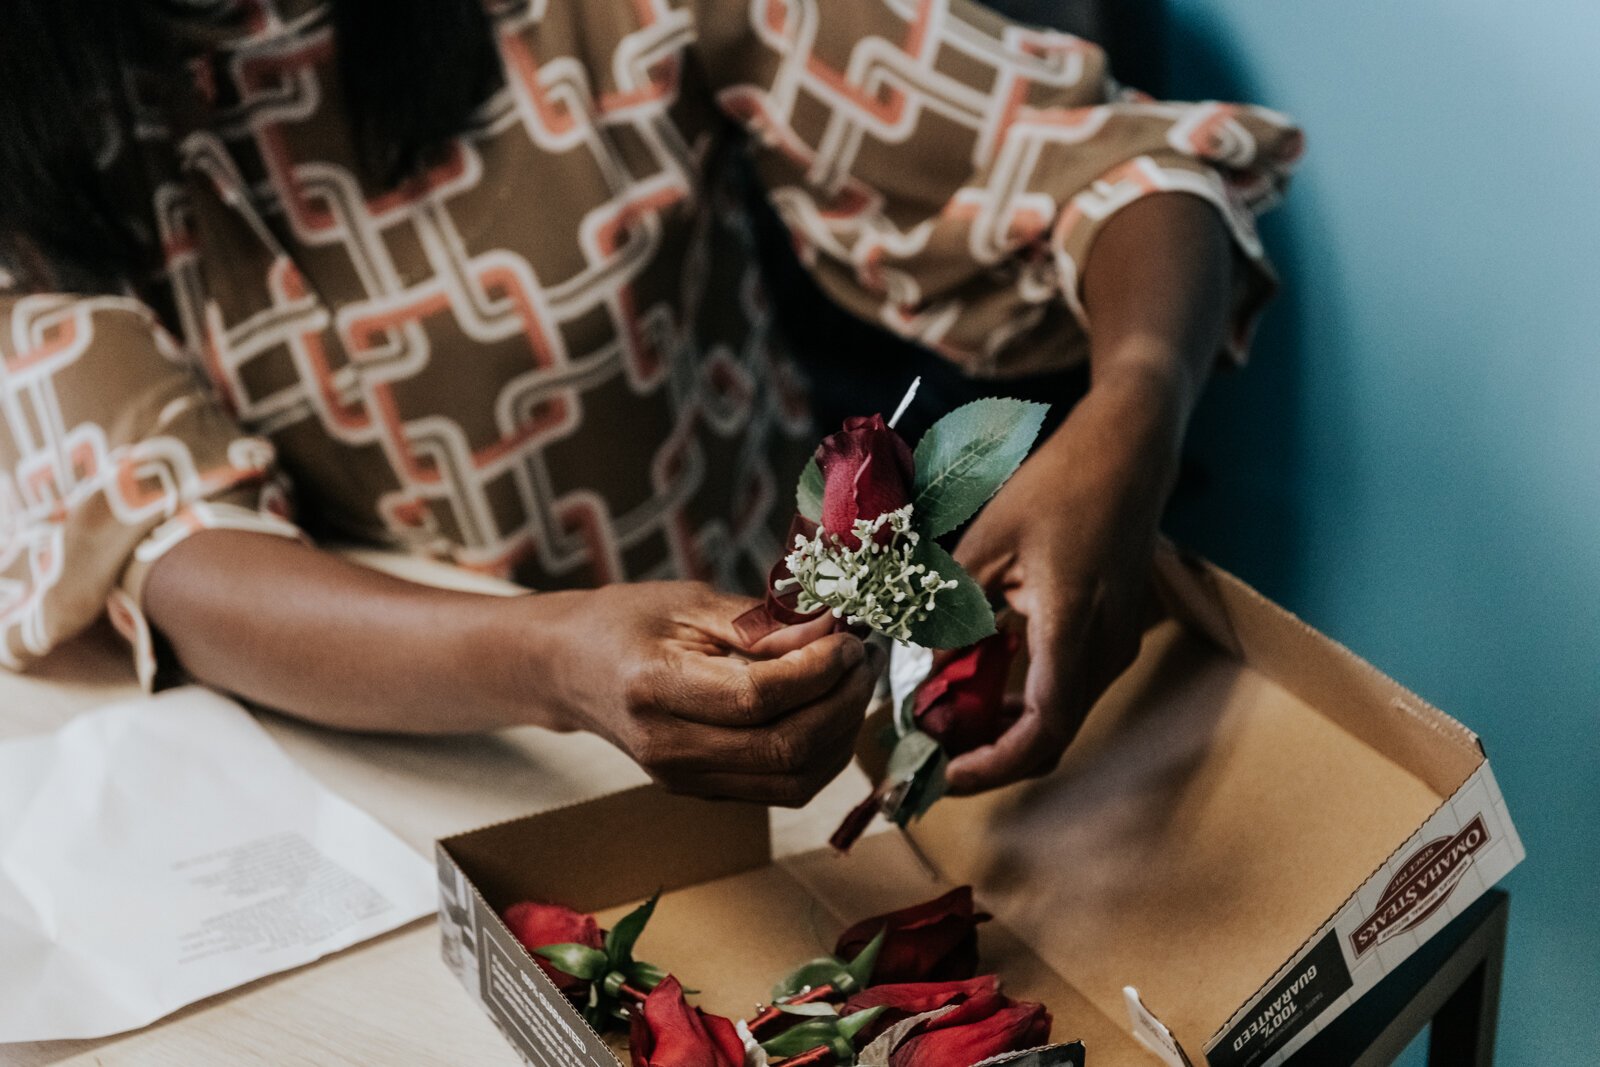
point(821, 1056)
point(636, 995)
point(770, 1014)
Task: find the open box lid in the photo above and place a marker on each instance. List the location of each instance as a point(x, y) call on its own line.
point(1249, 803)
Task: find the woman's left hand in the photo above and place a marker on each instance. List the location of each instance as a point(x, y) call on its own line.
point(1069, 539)
point(1068, 543)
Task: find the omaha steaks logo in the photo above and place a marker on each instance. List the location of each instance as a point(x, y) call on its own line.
point(1421, 886)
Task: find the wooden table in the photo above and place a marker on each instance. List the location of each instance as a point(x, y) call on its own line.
point(391, 1001)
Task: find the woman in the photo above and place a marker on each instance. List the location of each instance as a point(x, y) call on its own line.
point(474, 282)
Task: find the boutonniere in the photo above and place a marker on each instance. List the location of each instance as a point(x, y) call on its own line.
point(869, 512)
point(864, 547)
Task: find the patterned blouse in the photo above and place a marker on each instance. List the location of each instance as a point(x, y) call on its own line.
point(550, 357)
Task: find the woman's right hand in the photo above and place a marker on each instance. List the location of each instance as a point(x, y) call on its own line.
point(658, 669)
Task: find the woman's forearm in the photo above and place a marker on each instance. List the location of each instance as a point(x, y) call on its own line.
point(1157, 291)
point(1068, 540)
point(657, 668)
point(298, 629)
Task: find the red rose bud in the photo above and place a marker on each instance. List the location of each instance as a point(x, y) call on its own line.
point(936, 941)
point(906, 999)
point(866, 471)
point(538, 925)
point(963, 703)
point(963, 1037)
point(667, 1032)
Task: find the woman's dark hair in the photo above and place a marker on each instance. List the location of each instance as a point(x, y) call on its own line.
point(412, 73)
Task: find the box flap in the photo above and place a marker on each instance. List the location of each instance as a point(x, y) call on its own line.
point(612, 850)
point(1317, 669)
point(1225, 798)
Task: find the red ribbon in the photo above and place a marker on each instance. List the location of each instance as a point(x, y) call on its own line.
point(778, 610)
point(855, 824)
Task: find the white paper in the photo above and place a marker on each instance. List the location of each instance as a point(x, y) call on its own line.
point(158, 851)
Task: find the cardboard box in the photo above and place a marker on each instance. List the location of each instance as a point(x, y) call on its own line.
point(1254, 827)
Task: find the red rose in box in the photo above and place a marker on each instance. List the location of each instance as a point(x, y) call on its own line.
point(970, 1032)
point(929, 942)
point(595, 970)
point(667, 1032)
point(900, 991)
point(540, 925)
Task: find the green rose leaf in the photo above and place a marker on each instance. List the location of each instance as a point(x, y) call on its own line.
point(889, 733)
point(961, 616)
point(837, 1034)
point(621, 937)
point(966, 457)
point(824, 970)
point(580, 961)
point(802, 1038)
point(647, 975)
point(808, 494)
point(855, 1022)
point(858, 973)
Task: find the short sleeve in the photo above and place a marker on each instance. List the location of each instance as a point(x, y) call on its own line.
point(944, 171)
point(111, 453)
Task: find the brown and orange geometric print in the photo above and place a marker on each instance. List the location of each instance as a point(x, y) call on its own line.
point(550, 357)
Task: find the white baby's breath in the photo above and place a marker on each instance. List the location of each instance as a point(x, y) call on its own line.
point(876, 585)
point(754, 1054)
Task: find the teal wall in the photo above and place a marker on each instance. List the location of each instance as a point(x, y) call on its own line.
point(1413, 461)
